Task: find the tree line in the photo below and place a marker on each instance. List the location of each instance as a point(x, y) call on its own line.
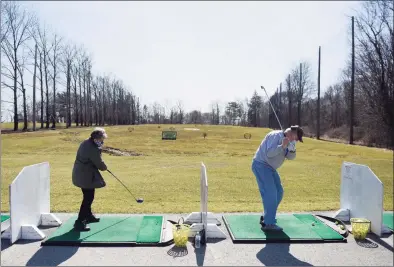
point(359, 104)
point(63, 84)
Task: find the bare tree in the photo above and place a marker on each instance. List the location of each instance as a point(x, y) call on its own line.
point(95, 85)
point(21, 69)
point(42, 91)
point(44, 50)
point(80, 72)
point(290, 93)
point(18, 23)
point(181, 112)
point(69, 54)
point(375, 67)
point(5, 25)
point(34, 86)
point(138, 110)
point(304, 85)
point(56, 44)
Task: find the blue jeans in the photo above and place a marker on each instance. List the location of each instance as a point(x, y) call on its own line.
point(270, 188)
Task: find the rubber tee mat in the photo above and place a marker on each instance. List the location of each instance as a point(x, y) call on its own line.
point(296, 228)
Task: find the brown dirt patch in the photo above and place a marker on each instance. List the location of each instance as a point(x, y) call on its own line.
point(119, 152)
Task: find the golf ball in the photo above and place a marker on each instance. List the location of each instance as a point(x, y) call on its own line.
point(180, 240)
point(342, 227)
point(140, 200)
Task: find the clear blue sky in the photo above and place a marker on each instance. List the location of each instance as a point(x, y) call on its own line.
point(201, 52)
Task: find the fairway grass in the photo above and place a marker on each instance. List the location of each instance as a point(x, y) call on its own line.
point(168, 172)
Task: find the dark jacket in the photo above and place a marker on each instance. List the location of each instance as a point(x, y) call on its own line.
point(87, 164)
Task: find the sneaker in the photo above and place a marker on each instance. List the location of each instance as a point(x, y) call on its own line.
point(271, 227)
point(81, 226)
point(92, 219)
point(262, 220)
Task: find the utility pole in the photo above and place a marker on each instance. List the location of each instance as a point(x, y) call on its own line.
point(318, 97)
point(277, 100)
point(290, 96)
point(299, 95)
point(352, 89)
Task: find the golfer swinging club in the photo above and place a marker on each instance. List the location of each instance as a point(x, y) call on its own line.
point(86, 176)
point(277, 146)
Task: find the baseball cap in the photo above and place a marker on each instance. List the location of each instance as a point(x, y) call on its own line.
point(299, 131)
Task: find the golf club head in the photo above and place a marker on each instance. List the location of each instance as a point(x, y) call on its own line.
point(140, 200)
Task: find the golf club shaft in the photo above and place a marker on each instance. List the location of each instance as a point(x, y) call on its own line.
point(262, 87)
point(122, 184)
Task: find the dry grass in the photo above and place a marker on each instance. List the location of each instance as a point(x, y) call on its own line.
point(167, 173)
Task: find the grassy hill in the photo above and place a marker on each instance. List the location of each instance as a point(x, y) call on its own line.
point(167, 173)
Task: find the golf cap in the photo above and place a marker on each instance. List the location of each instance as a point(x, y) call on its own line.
point(299, 131)
point(98, 133)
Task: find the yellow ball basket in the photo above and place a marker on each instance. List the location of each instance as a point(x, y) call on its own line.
point(180, 233)
point(360, 228)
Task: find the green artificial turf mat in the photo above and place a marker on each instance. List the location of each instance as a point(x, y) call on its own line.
point(111, 229)
point(295, 228)
point(388, 220)
point(4, 217)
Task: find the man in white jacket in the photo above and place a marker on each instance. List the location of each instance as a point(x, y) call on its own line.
point(274, 149)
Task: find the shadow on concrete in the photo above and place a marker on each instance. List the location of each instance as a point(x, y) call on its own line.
point(381, 242)
point(6, 243)
point(278, 254)
point(177, 252)
point(215, 240)
point(51, 256)
point(366, 243)
point(200, 254)
point(55, 255)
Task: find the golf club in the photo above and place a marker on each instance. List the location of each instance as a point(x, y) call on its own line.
point(262, 87)
point(292, 145)
point(139, 200)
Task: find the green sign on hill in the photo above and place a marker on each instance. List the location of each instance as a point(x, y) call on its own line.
point(168, 135)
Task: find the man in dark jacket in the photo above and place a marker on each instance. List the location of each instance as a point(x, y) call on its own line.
point(86, 176)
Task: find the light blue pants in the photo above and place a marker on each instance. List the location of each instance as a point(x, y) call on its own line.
point(270, 188)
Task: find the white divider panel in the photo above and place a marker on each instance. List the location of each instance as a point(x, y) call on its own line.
point(30, 203)
point(204, 197)
point(361, 196)
point(204, 219)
